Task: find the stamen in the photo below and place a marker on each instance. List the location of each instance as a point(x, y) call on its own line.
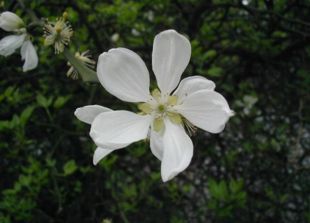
point(85, 59)
point(172, 100)
point(174, 117)
point(156, 94)
point(190, 128)
point(58, 33)
point(158, 124)
point(145, 108)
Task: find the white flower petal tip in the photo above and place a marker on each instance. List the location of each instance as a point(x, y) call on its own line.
point(118, 129)
point(29, 54)
point(123, 73)
point(206, 109)
point(88, 113)
point(170, 56)
point(177, 151)
point(99, 154)
point(9, 21)
point(193, 84)
point(9, 44)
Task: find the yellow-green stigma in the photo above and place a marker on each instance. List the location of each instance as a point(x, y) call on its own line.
point(161, 108)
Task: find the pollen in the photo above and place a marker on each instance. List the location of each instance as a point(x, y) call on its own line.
point(58, 30)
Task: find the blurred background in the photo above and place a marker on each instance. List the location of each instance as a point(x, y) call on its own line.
point(257, 170)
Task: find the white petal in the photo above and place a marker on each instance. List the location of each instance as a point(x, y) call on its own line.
point(123, 73)
point(29, 54)
point(170, 57)
point(178, 151)
point(117, 129)
point(9, 44)
point(10, 21)
point(206, 109)
point(100, 153)
point(88, 113)
point(192, 84)
point(156, 144)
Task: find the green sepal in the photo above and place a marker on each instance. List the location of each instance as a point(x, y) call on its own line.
point(87, 74)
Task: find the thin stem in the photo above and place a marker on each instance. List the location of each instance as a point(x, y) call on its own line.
point(30, 12)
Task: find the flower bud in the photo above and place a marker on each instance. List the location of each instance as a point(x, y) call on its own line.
point(9, 21)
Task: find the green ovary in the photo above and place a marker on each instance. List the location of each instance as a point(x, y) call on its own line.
point(161, 108)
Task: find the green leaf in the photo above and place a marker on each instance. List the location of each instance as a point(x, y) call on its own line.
point(218, 190)
point(210, 54)
point(61, 101)
point(215, 71)
point(4, 125)
point(43, 101)
point(70, 167)
point(25, 115)
point(235, 185)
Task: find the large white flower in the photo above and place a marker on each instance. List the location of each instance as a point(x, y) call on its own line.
point(9, 44)
point(164, 114)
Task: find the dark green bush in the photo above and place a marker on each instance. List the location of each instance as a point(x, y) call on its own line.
point(257, 170)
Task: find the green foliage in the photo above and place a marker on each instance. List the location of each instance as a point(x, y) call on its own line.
point(69, 168)
point(226, 197)
point(257, 170)
point(18, 202)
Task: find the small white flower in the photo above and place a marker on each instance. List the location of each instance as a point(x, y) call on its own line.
point(9, 44)
point(10, 22)
point(84, 58)
point(29, 55)
point(58, 33)
point(164, 114)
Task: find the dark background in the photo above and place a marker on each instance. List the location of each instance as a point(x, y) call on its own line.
point(257, 170)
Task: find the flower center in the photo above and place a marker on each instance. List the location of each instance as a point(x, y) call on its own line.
point(58, 30)
point(161, 107)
